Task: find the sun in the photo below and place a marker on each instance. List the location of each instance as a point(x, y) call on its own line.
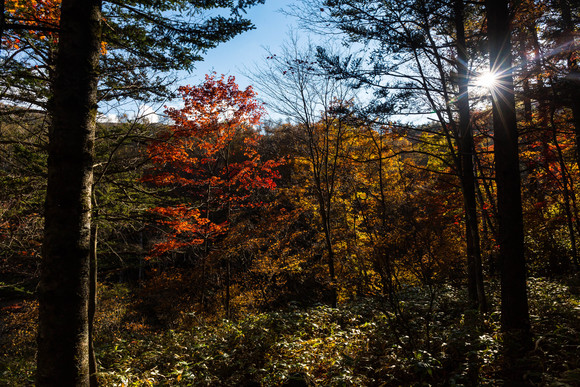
point(487, 79)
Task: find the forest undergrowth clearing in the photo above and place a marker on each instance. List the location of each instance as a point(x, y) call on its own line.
point(432, 341)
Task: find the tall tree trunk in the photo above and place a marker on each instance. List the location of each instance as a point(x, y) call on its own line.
point(63, 332)
point(227, 300)
point(93, 305)
point(515, 321)
point(525, 71)
point(466, 151)
point(2, 20)
point(324, 195)
point(567, 191)
point(574, 70)
point(325, 218)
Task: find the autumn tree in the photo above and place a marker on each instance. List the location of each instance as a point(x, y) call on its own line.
point(209, 158)
point(319, 105)
point(37, 19)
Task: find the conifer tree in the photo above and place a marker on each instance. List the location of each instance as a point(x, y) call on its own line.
point(161, 42)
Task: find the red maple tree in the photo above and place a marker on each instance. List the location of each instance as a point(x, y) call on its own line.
point(209, 158)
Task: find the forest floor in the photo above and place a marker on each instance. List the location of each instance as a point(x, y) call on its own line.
point(432, 340)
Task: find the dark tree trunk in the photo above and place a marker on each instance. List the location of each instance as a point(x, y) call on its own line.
point(2, 20)
point(567, 191)
point(325, 215)
point(227, 301)
point(515, 320)
point(93, 305)
point(572, 83)
point(525, 82)
point(466, 151)
point(63, 333)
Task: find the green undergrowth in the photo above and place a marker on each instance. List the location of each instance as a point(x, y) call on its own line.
point(430, 341)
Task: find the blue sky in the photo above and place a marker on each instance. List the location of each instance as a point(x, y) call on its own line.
point(234, 57)
point(247, 49)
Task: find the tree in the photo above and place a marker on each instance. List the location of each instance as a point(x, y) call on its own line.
point(319, 106)
point(466, 171)
point(63, 336)
point(146, 41)
point(63, 340)
point(567, 40)
point(209, 157)
point(514, 302)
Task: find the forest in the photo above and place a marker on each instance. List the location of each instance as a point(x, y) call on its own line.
point(412, 220)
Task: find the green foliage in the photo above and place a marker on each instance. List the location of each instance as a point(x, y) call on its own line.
point(355, 345)
point(17, 343)
point(142, 42)
point(358, 344)
point(22, 178)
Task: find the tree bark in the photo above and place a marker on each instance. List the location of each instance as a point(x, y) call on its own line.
point(2, 21)
point(324, 211)
point(567, 192)
point(466, 151)
point(93, 305)
point(514, 301)
point(63, 333)
point(227, 301)
point(572, 83)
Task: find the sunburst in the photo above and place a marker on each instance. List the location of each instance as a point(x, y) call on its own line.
point(487, 79)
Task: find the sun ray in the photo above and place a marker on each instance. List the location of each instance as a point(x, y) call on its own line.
point(487, 79)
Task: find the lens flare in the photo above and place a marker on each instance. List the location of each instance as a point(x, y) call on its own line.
point(487, 79)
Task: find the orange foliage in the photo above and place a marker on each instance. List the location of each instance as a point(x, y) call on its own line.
point(209, 155)
point(39, 15)
point(33, 13)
